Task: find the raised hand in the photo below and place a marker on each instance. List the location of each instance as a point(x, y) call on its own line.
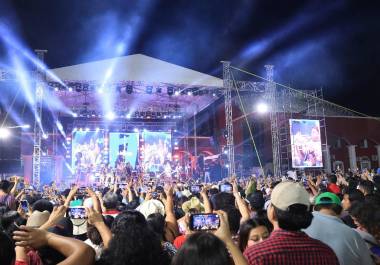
point(223, 231)
point(93, 217)
point(30, 237)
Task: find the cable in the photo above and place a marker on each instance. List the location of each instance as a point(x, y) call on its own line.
point(246, 120)
point(305, 94)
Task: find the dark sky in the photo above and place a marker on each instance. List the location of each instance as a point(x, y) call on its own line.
point(329, 44)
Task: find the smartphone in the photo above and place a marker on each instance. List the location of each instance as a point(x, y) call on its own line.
point(226, 187)
point(194, 189)
point(24, 205)
point(76, 212)
point(204, 222)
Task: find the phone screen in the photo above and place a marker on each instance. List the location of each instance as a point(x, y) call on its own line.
point(24, 205)
point(78, 212)
point(204, 222)
point(225, 188)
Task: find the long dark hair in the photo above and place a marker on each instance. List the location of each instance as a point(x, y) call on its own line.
point(245, 229)
point(202, 248)
point(133, 242)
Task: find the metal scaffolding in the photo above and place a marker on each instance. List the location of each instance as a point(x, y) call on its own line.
point(227, 84)
point(274, 122)
point(37, 136)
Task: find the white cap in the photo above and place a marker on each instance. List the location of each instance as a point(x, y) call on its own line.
point(288, 193)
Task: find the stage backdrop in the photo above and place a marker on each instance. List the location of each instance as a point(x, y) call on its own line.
point(125, 145)
point(306, 143)
point(157, 152)
point(89, 149)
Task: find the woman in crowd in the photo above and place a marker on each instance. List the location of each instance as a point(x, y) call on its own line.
point(7, 193)
point(133, 242)
point(253, 231)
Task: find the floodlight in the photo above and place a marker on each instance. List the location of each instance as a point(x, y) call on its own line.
point(4, 133)
point(110, 116)
point(262, 108)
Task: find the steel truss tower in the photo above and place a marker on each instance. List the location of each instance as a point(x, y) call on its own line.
point(39, 83)
point(227, 84)
point(274, 122)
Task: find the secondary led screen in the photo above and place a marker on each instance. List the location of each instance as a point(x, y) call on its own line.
point(123, 147)
point(157, 151)
point(89, 149)
point(306, 143)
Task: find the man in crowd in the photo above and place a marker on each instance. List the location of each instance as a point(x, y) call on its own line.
point(289, 213)
point(330, 229)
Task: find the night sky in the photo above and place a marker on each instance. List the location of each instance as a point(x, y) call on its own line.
point(329, 44)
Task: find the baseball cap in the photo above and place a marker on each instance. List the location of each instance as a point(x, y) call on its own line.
point(288, 193)
point(327, 198)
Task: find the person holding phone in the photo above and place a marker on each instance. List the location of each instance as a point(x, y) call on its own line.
point(210, 248)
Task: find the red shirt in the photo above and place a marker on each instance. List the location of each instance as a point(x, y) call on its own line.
point(290, 248)
point(332, 187)
point(179, 241)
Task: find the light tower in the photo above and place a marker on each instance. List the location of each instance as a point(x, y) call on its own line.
point(39, 86)
point(227, 84)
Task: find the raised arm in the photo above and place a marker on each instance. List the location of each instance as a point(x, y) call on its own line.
point(242, 205)
point(71, 195)
point(14, 188)
point(75, 251)
point(224, 234)
point(96, 219)
point(206, 201)
point(95, 201)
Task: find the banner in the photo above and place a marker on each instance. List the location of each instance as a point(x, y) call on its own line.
point(305, 143)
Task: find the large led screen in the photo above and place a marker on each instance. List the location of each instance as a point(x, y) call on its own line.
point(123, 148)
point(306, 143)
point(89, 149)
point(157, 153)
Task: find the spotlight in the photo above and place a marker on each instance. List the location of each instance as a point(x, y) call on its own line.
point(87, 129)
point(97, 129)
point(262, 108)
point(189, 93)
point(75, 129)
point(25, 126)
point(136, 130)
point(128, 116)
point(70, 89)
point(4, 133)
point(45, 136)
point(176, 93)
point(100, 91)
point(74, 115)
point(56, 89)
point(110, 116)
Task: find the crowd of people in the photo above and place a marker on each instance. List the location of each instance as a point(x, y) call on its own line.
point(323, 219)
